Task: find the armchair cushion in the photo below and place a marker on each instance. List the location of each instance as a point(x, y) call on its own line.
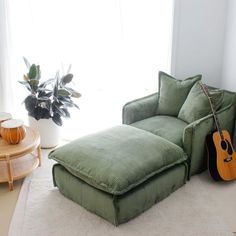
point(167, 127)
point(197, 105)
point(173, 92)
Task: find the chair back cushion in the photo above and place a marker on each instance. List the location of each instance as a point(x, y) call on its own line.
point(197, 104)
point(173, 93)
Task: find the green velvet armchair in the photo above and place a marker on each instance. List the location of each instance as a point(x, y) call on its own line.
point(141, 113)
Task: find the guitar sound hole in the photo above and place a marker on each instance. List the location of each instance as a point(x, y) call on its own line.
point(223, 145)
point(230, 150)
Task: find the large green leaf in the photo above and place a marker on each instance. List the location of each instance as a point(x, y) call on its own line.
point(26, 62)
point(43, 98)
point(41, 113)
point(44, 90)
point(38, 72)
point(67, 102)
point(57, 119)
point(49, 94)
point(67, 114)
point(30, 103)
point(55, 89)
point(34, 84)
point(70, 104)
point(75, 105)
point(26, 84)
point(62, 99)
point(63, 93)
point(74, 93)
point(23, 82)
point(32, 72)
point(66, 79)
point(58, 110)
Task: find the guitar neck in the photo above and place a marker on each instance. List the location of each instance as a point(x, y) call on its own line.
point(216, 118)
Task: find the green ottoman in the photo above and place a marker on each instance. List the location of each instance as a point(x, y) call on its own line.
point(120, 172)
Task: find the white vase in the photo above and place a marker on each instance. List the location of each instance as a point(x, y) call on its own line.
point(50, 133)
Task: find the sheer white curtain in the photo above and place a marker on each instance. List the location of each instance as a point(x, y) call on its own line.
point(116, 48)
point(5, 51)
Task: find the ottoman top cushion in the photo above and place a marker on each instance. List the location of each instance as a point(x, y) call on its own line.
point(118, 159)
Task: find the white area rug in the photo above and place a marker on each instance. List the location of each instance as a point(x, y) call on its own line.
point(201, 207)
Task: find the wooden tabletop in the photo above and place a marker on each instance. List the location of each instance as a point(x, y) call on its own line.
point(30, 142)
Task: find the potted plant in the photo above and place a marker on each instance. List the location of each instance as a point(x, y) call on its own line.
point(48, 103)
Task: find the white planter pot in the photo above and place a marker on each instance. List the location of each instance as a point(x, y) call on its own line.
point(50, 133)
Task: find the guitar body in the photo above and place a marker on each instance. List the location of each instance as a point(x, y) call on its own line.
point(221, 156)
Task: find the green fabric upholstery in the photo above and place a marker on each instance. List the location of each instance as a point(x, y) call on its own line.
point(162, 126)
point(140, 109)
point(193, 137)
point(118, 159)
point(197, 104)
point(195, 134)
point(173, 92)
point(119, 209)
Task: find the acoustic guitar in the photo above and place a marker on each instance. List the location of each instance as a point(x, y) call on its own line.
point(221, 154)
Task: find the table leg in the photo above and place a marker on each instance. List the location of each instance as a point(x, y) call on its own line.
point(10, 176)
point(39, 154)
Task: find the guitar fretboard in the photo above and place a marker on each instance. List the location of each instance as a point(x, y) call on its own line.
point(218, 126)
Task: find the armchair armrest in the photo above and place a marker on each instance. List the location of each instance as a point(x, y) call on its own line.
point(139, 109)
point(195, 134)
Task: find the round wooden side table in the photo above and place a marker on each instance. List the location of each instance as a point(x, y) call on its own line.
point(17, 161)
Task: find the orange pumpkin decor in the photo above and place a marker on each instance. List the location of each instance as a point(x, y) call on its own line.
point(13, 131)
point(3, 117)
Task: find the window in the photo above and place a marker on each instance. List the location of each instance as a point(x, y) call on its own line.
point(116, 48)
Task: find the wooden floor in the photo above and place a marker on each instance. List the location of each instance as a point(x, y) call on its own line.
point(8, 201)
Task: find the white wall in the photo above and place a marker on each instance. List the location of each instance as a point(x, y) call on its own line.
point(198, 39)
point(229, 63)
point(204, 41)
point(228, 80)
